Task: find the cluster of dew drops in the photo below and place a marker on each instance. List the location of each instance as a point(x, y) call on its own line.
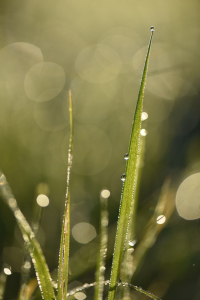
point(143, 132)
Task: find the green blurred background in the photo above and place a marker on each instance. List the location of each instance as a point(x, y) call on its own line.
point(97, 49)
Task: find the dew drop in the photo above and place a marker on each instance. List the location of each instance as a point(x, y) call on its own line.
point(126, 156)
point(123, 177)
point(161, 219)
point(143, 132)
point(144, 116)
point(7, 271)
point(152, 28)
point(132, 243)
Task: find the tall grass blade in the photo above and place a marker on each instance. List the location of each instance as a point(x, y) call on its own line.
point(41, 268)
point(65, 236)
point(129, 183)
point(127, 263)
point(26, 266)
point(103, 250)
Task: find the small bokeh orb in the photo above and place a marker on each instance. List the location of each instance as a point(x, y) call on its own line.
point(42, 200)
point(83, 232)
point(187, 198)
point(105, 193)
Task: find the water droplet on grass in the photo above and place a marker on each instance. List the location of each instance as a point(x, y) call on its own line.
point(126, 156)
point(123, 177)
point(7, 271)
point(144, 116)
point(132, 243)
point(161, 219)
point(143, 132)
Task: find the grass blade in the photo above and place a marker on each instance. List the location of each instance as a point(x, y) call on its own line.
point(129, 183)
point(41, 268)
point(126, 269)
point(103, 249)
point(65, 236)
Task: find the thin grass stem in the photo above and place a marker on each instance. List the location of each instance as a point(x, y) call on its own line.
point(38, 259)
point(65, 236)
point(102, 250)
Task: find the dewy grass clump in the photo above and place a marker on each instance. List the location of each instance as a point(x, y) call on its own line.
point(124, 262)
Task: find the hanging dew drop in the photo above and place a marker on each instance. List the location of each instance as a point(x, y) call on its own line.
point(123, 177)
point(143, 132)
point(144, 116)
point(152, 28)
point(126, 156)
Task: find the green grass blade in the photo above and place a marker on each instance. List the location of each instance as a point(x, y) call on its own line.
point(103, 250)
point(65, 236)
point(41, 268)
point(127, 262)
point(129, 183)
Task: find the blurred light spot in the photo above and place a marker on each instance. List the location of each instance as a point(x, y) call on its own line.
point(44, 81)
point(12, 203)
point(143, 132)
point(83, 232)
point(161, 219)
point(7, 271)
point(105, 193)
point(104, 223)
point(98, 63)
point(42, 200)
point(187, 198)
point(80, 296)
point(144, 116)
point(2, 179)
point(27, 265)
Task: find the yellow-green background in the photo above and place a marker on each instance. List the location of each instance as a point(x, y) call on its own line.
point(97, 49)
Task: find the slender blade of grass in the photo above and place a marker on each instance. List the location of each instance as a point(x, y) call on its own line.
point(65, 236)
point(127, 262)
point(38, 259)
point(102, 251)
point(128, 188)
